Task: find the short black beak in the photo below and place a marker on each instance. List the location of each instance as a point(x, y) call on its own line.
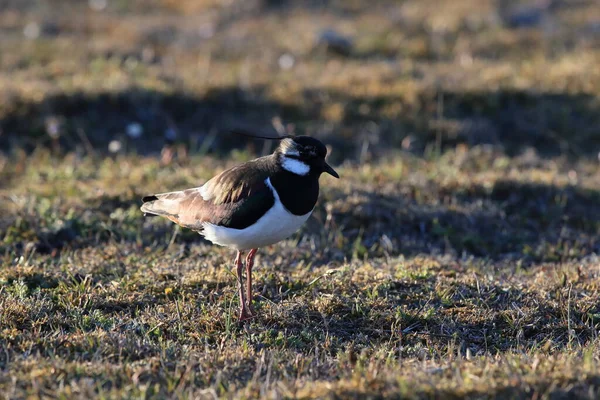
point(327, 168)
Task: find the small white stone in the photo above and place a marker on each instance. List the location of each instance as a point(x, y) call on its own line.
point(53, 127)
point(114, 146)
point(286, 61)
point(134, 130)
point(32, 30)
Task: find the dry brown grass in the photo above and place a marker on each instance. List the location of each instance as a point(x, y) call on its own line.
point(456, 257)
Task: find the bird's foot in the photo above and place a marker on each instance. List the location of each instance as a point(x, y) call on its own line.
point(251, 309)
point(245, 314)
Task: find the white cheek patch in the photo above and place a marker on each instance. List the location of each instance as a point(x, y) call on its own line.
point(295, 166)
point(292, 152)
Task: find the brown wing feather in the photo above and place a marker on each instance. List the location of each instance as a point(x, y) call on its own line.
point(239, 182)
point(226, 199)
point(186, 208)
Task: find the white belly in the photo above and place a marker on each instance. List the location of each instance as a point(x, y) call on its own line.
point(277, 224)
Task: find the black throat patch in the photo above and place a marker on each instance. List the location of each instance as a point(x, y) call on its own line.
point(298, 194)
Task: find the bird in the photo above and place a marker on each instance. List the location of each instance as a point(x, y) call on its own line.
point(252, 205)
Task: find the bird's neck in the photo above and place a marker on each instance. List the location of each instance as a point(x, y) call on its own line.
point(298, 192)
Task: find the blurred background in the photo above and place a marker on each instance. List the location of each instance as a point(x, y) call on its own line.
point(456, 257)
point(476, 123)
point(368, 77)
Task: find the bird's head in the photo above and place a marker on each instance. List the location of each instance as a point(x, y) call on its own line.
point(303, 155)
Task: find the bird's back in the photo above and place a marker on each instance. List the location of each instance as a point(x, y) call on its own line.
point(235, 198)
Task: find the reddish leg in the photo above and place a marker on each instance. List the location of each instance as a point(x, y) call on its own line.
point(239, 267)
point(249, 265)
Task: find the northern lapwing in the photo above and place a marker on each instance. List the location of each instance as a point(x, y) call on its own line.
point(254, 204)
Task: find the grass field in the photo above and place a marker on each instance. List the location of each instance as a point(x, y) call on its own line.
point(457, 256)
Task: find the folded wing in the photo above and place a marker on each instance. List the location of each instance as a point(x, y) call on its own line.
point(236, 198)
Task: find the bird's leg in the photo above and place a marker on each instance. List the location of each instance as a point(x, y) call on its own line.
point(239, 267)
point(249, 265)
